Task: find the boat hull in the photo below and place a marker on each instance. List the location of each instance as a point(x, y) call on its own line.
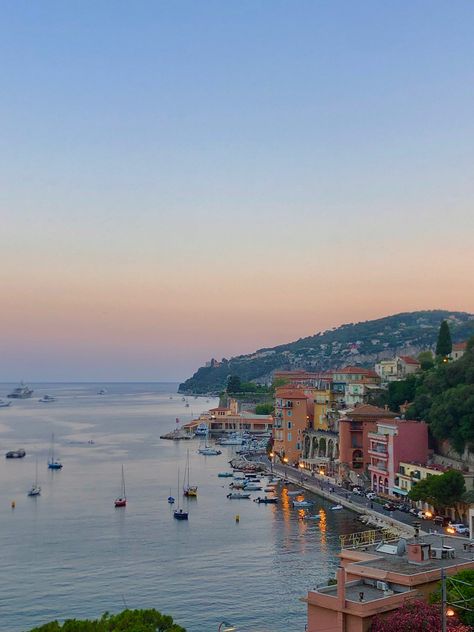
point(180, 515)
point(120, 502)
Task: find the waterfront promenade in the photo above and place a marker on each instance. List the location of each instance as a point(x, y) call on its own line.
point(320, 485)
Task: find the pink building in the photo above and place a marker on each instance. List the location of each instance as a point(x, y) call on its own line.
point(395, 440)
point(378, 577)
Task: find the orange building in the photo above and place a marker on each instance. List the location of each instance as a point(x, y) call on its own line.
point(354, 442)
point(378, 578)
point(292, 414)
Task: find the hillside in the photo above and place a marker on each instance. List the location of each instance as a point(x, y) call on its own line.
point(355, 343)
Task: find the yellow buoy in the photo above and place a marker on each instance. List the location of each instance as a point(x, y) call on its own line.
point(13, 504)
point(237, 518)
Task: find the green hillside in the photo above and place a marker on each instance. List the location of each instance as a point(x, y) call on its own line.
point(355, 343)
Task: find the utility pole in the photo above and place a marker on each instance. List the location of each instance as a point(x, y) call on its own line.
point(443, 600)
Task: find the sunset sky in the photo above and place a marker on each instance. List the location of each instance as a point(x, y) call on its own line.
point(188, 179)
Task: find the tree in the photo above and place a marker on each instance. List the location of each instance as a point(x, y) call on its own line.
point(415, 616)
point(234, 384)
point(264, 409)
point(127, 621)
point(426, 360)
point(444, 345)
point(401, 391)
point(459, 595)
point(440, 491)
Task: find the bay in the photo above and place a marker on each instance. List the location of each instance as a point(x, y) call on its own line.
point(70, 554)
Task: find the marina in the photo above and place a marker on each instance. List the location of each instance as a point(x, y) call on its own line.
point(88, 557)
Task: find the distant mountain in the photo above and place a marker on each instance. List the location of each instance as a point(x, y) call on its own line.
point(360, 344)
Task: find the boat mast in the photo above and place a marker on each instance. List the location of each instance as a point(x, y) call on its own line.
point(123, 484)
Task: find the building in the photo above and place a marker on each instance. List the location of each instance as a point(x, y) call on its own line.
point(379, 577)
point(321, 438)
point(397, 368)
point(293, 407)
point(227, 419)
point(354, 428)
point(458, 350)
point(411, 472)
point(298, 378)
point(355, 374)
point(394, 441)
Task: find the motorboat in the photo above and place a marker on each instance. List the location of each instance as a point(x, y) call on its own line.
point(311, 517)
point(301, 504)
point(4, 404)
point(15, 454)
point(269, 489)
point(170, 500)
point(34, 491)
point(53, 463)
point(102, 391)
point(296, 492)
point(237, 495)
point(208, 451)
point(225, 475)
point(47, 399)
point(337, 507)
point(202, 430)
point(233, 439)
point(266, 501)
point(21, 392)
point(252, 487)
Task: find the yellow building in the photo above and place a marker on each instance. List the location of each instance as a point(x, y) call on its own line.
point(411, 473)
point(324, 401)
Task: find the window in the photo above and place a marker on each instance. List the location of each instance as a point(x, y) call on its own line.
point(298, 446)
point(289, 425)
point(288, 413)
point(289, 436)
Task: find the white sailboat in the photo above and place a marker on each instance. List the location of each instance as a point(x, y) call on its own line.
point(207, 450)
point(35, 489)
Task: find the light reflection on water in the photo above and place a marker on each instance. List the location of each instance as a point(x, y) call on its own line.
point(69, 553)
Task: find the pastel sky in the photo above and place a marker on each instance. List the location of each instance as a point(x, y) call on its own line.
point(183, 179)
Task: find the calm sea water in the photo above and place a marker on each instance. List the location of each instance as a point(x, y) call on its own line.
point(70, 553)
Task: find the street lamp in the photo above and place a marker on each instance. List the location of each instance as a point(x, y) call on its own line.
point(271, 455)
point(225, 626)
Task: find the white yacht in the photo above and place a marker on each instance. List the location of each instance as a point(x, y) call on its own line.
point(47, 399)
point(21, 392)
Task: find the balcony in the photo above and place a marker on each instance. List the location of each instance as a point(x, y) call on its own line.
point(379, 451)
point(379, 466)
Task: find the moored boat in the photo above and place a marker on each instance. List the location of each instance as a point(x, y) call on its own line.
point(35, 489)
point(179, 513)
point(47, 399)
point(15, 454)
point(53, 463)
point(208, 451)
point(302, 503)
point(266, 501)
point(225, 475)
point(189, 490)
point(296, 492)
point(4, 404)
point(21, 392)
point(237, 495)
point(337, 507)
point(121, 501)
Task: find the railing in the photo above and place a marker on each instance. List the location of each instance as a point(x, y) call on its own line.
point(365, 538)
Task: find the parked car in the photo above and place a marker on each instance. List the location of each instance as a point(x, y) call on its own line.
point(390, 507)
point(357, 491)
point(414, 511)
point(442, 521)
point(460, 528)
point(371, 495)
point(405, 508)
point(422, 515)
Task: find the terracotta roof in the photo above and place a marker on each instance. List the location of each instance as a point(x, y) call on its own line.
point(367, 410)
point(290, 393)
point(409, 360)
point(354, 370)
point(459, 346)
point(218, 408)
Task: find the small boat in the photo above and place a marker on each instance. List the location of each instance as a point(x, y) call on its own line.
point(296, 493)
point(191, 491)
point(171, 500)
point(4, 404)
point(15, 454)
point(35, 489)
point(179, 513)
point(269, 489)
point(208, 451)
point(53, 464)
point(225, 475)
point(266, 501)
point(102, 391)
point(121, 501)
point(301, 504)
point(202, 430)
point(21, 392)
point(311, 517)
point(252, 487)
point(337, 507)
point(47, 399)
point(237, 495)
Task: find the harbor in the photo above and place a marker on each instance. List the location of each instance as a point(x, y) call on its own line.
point(76, 555)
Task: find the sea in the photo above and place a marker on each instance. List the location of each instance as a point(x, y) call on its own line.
point(70, 553)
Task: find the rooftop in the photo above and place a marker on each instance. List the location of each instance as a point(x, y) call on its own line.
point(409, 360)
point(290, 393)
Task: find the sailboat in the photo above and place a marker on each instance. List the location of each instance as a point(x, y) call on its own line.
point(121, 501)
point(191, 491)
point(170, 499)
point(54, 464)
point(179, 514)
point(35, 489)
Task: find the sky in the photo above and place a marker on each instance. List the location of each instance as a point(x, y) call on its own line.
point(181, 180)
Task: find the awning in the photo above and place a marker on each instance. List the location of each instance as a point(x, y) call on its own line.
point(398, 490)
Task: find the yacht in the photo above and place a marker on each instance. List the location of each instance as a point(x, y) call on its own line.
point(208, 451)
point(21, 392)
point(15, 454)
point(47, 399)
point(233, 439)
point(201, 430)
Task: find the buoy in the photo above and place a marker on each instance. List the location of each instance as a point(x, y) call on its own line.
point(237, 518)
point(13, 504)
